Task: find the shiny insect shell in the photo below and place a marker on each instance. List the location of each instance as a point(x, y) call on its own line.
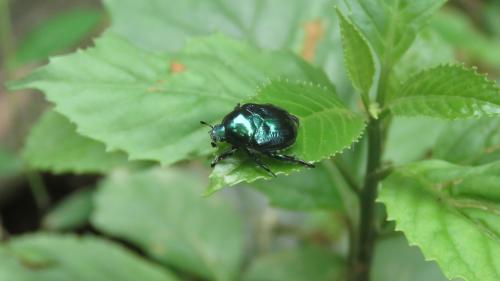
point(263, 129)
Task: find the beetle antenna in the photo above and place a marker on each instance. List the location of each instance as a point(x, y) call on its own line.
point(205, 123)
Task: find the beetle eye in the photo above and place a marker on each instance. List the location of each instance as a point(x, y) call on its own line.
point(213, 144)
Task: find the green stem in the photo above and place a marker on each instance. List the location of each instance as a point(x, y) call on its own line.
point(38, 189)
point(367, 231)
point(367, 223)
point(6, 38)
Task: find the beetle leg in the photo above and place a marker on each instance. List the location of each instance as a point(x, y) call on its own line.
point(257, 160)
point(223, 156)
point(289, 158)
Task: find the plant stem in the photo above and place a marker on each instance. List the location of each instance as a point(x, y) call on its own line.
point(38, 189)
point(367, 224)
point(367, 230)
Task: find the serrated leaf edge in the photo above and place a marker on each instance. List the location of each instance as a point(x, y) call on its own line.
point(473, 69)
point(409, 239)
point(341, 150)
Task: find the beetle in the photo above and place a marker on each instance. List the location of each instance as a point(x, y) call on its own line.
point(257, 129)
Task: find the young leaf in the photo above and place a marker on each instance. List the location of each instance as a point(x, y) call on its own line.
point(149, 106)
point(326, 128)
point(73, 212)
point(447, 91)
point(469, 142)
point(451, 212)
point(310, 190)
point(51, 257)
point(162, 212)
point(54, 145)
point(358, 57)
point(391, 26)
point(58, 34)
point(308, 263)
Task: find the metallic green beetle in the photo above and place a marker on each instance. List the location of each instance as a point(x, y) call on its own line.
point(257, 129)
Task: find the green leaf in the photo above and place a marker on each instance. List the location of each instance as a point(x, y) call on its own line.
point(57, 34)
point(312, 189)
point(171, 23)
point(54, 145)
point(73, 212)
point(326, 128)
point(401, 147)
point(447, 91)
point(149, 106)
point(51, 257)
point(308, 263)
point(452, 213)
point(391, 26)
point(395, 260)
point(358, 57)
point(162, 212)
point(472, 142)
point(306, 27)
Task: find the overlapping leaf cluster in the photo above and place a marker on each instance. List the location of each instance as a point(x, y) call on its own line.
point(450, 211)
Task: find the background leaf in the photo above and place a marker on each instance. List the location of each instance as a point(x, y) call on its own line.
point(326, 127)
point(307, 27)
point(447, 91)
point(395, 260)
point(401, 147)
point(162, 212)
point(51, 257)
point(451, 212)
point(470, 142)
point(457, 28)
point(309, 190)
point(150, 107)
point(10, 163)
point(57, 34)
point(72, 212)
point(169, 26)
point(309, 263)
point(54, 145)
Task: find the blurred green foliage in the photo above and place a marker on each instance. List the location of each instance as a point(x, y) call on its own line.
point(59, 33)
point(158, 70)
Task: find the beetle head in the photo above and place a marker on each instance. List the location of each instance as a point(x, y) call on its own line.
point(217, 133)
